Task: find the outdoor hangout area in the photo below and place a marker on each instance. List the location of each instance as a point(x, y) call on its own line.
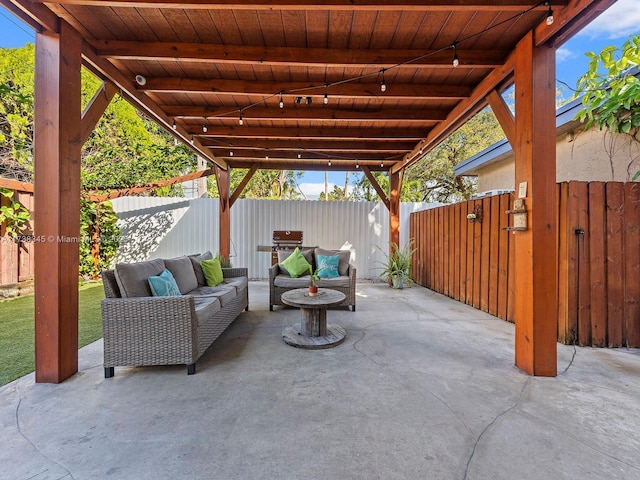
point(251, 333)
point(422, 387)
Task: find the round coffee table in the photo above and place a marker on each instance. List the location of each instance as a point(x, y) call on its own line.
point(313, 332)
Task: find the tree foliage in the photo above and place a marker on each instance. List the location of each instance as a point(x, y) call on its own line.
point(435, 171)
point(611, 93)
point(265, 184)
point(364, 191)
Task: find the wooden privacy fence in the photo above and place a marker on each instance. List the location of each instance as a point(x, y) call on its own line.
point(16, 258)
point(598, 259)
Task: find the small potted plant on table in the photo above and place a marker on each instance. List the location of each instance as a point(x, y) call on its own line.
point(313, 288)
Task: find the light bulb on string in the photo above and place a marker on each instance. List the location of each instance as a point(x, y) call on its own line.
point(383, 84)
point(192, 140)
point(329, 164)
point(175, 126)
point(357, 165)
point(456, 60)
point(204, 126)
point(549, 14)
point(231, 153)
point(381, 164)
point(240, 121)
point(281, 101)
point(325, 100)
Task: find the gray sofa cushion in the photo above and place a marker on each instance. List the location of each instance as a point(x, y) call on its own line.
point(206, 307)
point(286, 281)
point(342, 281)
point(182, 270)
point(307, 253)
point(343, 264)
point(240, 283)
point(197, 269)
point(224, 293)
point(132, 277)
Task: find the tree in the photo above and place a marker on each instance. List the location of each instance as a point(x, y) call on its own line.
point(611, 92)
point(265, 184)
point(364, 191)
point(435, 169)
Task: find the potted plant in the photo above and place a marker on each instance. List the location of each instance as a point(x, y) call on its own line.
point(397, 267)
point(313, 288)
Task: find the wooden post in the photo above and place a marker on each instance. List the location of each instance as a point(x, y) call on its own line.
point(536, 248)
point(57, 202)
point(395, 186)
point(224, 247)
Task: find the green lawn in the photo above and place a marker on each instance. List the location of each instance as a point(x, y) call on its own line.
point(17, 330)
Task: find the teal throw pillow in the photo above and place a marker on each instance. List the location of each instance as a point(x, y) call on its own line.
point(212, 271)
point(328, 266)
point(296, 264)
point(164, 285)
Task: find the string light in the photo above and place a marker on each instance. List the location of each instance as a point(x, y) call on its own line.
point(192, 140)
point(281, 101)
point(231, 153)
point(329, 164)
point(240, 121)
point(549, 14)
point(174, 125)
point(357, 166)
point(381, 164)
point(325, 100)
point(383, 85)
point(456, 60)
point(204, 125)
point(299, 154)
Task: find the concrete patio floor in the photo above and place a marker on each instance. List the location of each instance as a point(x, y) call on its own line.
point(422, 388)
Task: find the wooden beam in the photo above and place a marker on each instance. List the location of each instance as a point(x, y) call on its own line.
point(123, 192)
point(503, 113)
point(34, 14)
point(291, 90)
point(358, 5)
point(374, 59)
point(395, 187)
point(240, 188)
point(222, 179)
point(57, 202)
point(139, 100)
point(569, 20)
point(536, 249)
point(462, 112)
point(306, 165)
point(376, 186)
point(96, 107)
point(306, 112)
point(260, 155)
point(347, 146)
point(16, 185)
point(309, 133)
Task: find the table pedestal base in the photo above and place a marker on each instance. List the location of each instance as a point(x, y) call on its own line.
point(334, 335)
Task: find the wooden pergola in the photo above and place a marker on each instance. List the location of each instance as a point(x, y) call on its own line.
point(351, 85)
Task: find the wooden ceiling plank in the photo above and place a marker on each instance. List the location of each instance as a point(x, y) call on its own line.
point(264, 155)
point(252, 55)
point(307, 133)
point(307, 165)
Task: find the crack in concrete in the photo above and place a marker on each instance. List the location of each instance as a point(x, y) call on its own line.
point(573, 357)
point(28, 440)
point(490, 424)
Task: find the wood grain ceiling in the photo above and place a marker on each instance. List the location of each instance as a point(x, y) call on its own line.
point(208, 63)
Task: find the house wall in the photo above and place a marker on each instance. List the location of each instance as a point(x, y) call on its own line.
point(588, 156)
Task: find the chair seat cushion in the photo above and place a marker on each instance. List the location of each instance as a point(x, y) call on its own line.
point(240, 283)
point(224, 293)
point(341, 281)
point(285, 281)
point(206, 307)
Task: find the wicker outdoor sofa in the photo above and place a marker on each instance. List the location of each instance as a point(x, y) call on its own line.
point(280, 281)
point(140, 329)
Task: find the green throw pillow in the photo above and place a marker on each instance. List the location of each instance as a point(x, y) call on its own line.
point(328, 266)
point(212, 271)
point(296, 264)
point(164, 285)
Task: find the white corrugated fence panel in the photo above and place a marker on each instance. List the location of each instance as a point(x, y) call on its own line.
point(154, 227)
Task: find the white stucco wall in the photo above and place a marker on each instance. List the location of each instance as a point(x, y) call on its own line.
point(584, 156)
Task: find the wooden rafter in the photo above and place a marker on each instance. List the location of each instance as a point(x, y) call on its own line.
point(315, 145)
point(327, 57)
point(248, 132)
point(376, 186)
point(503, 114)
point(240, 188)
point(294, 89)
point(96, 107)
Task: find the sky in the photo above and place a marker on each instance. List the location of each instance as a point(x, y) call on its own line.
point(613, 27)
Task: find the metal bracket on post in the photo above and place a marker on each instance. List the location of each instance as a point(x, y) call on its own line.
point(519, 213)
